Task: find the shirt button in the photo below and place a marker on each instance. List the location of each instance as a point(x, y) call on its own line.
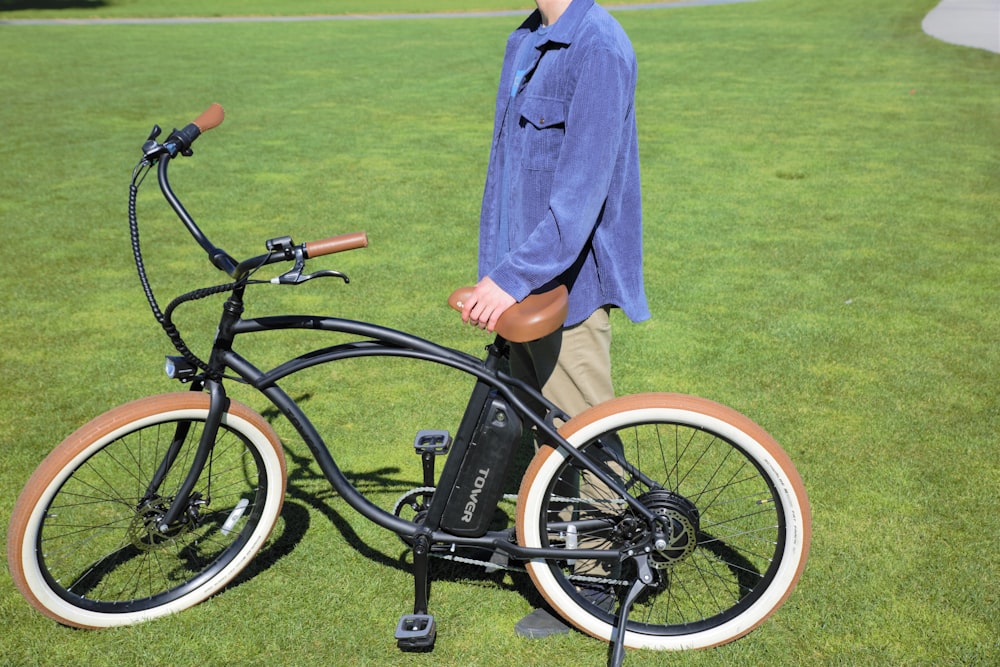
point(541, 121)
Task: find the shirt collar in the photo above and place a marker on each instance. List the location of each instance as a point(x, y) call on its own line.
point(562, 31)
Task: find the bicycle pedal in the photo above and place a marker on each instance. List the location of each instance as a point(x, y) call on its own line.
point(433, 442)
point(416, 632)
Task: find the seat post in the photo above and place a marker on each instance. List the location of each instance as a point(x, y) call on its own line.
point(496, 351)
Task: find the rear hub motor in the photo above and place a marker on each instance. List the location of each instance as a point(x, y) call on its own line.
point(679, 519)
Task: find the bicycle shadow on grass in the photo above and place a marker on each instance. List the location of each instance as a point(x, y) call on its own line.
point(308, 490)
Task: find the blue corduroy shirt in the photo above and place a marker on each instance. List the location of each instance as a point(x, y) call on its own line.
point(568, 141)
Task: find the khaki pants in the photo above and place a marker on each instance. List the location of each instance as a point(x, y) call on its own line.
point(572, 368)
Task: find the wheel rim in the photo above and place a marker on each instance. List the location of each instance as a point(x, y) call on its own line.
point(728, 543)
point(705, 577)
point(100, 551)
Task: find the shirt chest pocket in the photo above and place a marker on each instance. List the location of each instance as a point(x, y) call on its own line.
point(542, 125)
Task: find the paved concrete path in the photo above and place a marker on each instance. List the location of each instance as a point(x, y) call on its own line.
point(974, 23)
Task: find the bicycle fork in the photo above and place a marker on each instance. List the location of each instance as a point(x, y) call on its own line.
point(218, 405)
point(181, 502)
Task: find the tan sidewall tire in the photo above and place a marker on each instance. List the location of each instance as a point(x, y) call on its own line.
point(89, 439)
point(696, 412)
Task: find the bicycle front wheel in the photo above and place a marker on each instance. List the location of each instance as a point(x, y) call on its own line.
point(84, 545)
point(738, 516)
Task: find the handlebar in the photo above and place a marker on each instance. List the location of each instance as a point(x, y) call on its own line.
point(281, 249)
point(180, 141)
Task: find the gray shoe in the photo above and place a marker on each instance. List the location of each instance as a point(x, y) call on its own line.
point(540, 623)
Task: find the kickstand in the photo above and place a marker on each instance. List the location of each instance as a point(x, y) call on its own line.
point(617, 652)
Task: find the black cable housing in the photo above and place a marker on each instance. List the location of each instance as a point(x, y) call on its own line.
point(165, 318)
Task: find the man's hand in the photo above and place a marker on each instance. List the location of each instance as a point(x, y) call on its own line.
point(486, 304)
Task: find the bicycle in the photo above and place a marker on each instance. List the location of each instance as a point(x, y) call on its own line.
point(692, 520)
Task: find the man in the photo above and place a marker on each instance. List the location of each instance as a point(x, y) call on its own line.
point(562, 203)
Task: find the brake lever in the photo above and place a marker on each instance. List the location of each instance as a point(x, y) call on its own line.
point(152, 149)
point(294, 276)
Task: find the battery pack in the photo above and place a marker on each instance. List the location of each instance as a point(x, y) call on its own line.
point(480, 480)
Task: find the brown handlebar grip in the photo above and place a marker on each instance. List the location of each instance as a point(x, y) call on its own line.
point(336, 244)
point(210, 117)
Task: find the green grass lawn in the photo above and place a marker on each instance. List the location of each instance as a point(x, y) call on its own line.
point(153, 8)
point(821, 199)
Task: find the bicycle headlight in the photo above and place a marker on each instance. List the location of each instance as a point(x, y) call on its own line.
point(179, 368)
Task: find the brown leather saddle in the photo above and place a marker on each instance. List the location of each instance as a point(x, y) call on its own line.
point(536, 316)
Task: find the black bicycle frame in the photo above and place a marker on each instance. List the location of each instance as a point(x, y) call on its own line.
point(381, 341)
point(374, 341)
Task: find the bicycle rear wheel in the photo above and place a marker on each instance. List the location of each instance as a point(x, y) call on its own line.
point(738, 511)
point(83, 547)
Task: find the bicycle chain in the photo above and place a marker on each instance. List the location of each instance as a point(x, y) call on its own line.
point(492, 566)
